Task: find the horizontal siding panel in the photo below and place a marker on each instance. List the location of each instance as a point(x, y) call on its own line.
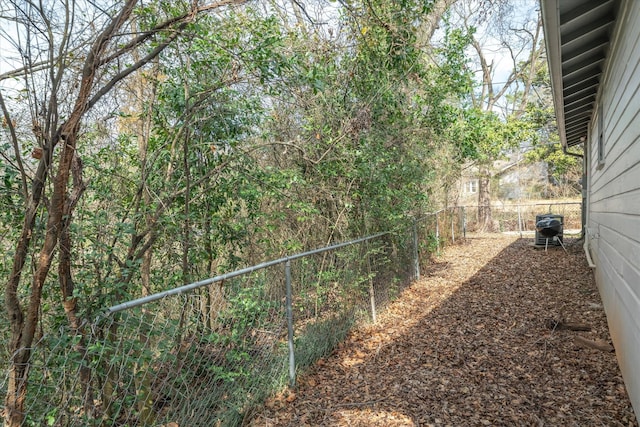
point(624, 198)
point(614, 197)
point(624, 45)
point(623, 62)
point(620, 94)
point(627, 248)
point(625, 183)
point(620, 100)
point(622, 307)
point(624, 330)
point(629, 300)
point(622, 69)
point(628, 225)
point(624, 297)
point(621, 110)
point(625, 153)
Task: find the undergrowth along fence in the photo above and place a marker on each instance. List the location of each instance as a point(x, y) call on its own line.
point(521, 217)
point(206, 353)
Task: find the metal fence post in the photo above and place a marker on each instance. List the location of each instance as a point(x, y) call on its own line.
point(416, 256)
point(453, 232)
point(292, 358)
point(519, 221)
point(464, 223)
point(437, 233)
point(372, 293)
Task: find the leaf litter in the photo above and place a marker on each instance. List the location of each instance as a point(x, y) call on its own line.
point(495, 333)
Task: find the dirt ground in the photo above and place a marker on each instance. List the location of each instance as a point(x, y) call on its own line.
point(493, 334)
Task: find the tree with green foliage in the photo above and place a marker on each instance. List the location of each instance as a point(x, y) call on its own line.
point(495, 122)
point(152, 144)
point(54, 44)
point(564, 168)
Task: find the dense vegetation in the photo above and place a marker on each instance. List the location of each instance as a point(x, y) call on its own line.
point(146, 145)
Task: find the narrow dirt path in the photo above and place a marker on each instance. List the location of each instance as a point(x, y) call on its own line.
point(485, 338)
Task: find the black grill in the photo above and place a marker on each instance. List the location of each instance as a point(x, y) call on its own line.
point(549, 229)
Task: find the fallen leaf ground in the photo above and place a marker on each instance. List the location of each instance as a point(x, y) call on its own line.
point(475, 342)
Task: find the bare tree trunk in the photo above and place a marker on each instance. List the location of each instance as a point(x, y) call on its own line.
point(18, 370)
point(69, 301)
point(23, 327)
point(107, 49)
point(143, 126)
point(430, 24)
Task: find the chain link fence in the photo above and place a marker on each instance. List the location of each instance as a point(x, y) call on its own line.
point(512, 217)
point(207, 353)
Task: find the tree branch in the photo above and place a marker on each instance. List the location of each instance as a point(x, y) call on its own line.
point(16, 148)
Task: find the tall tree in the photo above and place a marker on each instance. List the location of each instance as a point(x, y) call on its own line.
point(192, 142)
point(54, 43)
point(502, 33)
point(564, 169)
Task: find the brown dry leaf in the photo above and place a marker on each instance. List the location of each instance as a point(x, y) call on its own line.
point(469, 345)
point(291, 397)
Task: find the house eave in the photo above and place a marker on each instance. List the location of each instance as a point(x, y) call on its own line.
point(551, 24)
point(577, 36)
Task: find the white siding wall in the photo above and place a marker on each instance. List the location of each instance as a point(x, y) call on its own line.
point(613, 222)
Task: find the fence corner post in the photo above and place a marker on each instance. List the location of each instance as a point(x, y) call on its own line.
point(416, 252)
point(289, 302)
point(372, 291)
point(437, 233)
point(519, 221)
point(464, 223)
point(453, 231)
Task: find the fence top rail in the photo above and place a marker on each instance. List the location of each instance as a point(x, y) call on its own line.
point(195, 285)
point(524, 204)
point(430, 214)
point(236, 273)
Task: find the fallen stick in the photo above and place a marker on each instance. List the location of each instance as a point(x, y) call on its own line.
point(575, 326)
point(597, 344)
point(558, 325)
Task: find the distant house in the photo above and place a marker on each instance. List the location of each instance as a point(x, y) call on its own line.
point(518, 180)
point(593, 51)
point(514, 179)
point(466, 191)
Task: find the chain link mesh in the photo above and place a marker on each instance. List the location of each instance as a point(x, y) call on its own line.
point(207, 356)
point(522, 217)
